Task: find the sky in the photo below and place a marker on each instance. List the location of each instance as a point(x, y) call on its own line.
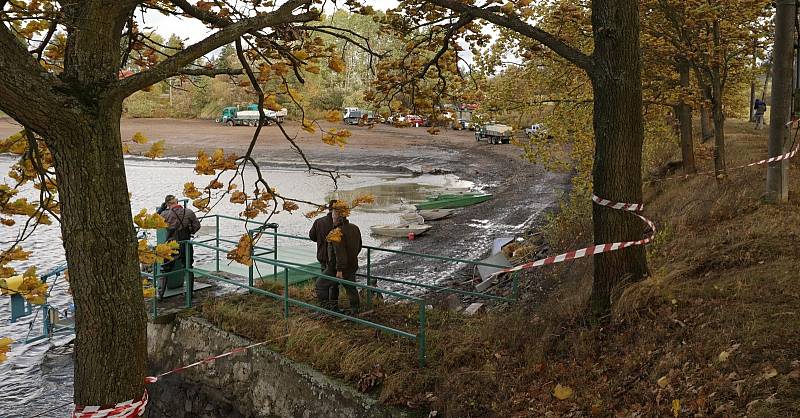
point(191, 30)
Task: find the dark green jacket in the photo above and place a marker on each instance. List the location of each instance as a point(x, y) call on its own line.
point(343, 256)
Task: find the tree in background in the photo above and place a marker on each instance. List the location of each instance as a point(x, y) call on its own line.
point(715, 38)
point(615, 74)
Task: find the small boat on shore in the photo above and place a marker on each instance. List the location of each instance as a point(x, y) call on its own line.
point(399, 230)
point(435, 214)
point(420, 217)
point(412, 218)
point(453, 201)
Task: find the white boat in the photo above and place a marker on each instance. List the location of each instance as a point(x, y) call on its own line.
point(434, 214)
point(399, 230)
point(412, 218)
point(453, 190)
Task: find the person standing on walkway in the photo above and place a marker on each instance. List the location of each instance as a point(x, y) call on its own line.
point(319, 233)
point(761, 108)
point(344, 245)
point(183, 223)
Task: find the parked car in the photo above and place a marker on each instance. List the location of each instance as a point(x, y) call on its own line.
point(415, 120)
point(537, 129)
point(396, 118)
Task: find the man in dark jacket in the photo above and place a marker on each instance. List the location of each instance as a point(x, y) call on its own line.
point(319, 233)
point(343, 249)
point(183, 223)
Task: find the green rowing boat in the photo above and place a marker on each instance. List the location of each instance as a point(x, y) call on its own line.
point(453, 202)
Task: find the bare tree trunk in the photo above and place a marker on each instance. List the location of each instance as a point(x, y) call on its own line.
point(619, 134)
point(777, 173)
point(766, 81)
point(753, 84)
point(718, 112)
point(706, 124)
point(684, 113)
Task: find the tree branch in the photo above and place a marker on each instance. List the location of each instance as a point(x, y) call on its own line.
point(28, 93)
point(175, 64)
point(557, 45)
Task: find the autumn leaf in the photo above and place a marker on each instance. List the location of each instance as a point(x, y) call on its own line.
point(333, 116)
point(308, 126)
point(190, 191)
point(149, 221)
point(312, 69)
point(33, 290)
point(335, 235)
point(676, 407)
point(336, 64)
point(203, 164)
point(366, 199)
point(314, 213)
point(241, 253)
point(5, 347)
point(290, 206)
point(15, 253)
point(148, 292)
point(300, 54)
point(146, 255)
point(202, 204)
point(215, 184)
point(562, 392)
point(156, 150)
point(166, 251)
point(238, 197)
point(139, 138)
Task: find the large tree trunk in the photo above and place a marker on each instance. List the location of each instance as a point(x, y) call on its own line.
point(777, 172)
point(706, 129)
point(684, 113)
point(719, 127)
point(717, 110)
point(101, 250)
point(99, 239)
point(619, 134)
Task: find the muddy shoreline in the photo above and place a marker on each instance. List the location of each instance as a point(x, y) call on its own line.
point(523, 193)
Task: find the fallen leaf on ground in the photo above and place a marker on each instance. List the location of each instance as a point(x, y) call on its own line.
point(562, 392)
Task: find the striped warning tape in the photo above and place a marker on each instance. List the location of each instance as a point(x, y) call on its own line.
point(781, 157)
point(135, 408)
point(130, 408)
point(633, 208)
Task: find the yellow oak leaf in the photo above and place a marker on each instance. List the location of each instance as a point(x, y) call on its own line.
point(139, 138)
point(562, 392)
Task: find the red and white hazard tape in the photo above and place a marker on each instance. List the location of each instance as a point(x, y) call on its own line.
point(135, 408)
point(781, 157)
point(634, 208)
point(130, 408)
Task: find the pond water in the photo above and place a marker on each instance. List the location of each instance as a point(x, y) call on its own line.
point(35, 378)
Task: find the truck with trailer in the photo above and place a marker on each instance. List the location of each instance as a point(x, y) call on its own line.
point(494, 133)
point(233, 116)
point(354, 116)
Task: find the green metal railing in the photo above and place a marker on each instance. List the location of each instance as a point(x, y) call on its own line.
point(259, 254)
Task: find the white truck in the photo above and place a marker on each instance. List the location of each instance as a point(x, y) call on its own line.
point(494, 133)
point(354, 115)
point(234, 117)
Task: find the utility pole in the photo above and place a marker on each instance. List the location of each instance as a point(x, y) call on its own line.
point(782, 60)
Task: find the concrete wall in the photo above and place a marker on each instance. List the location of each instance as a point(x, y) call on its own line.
point(258, 383)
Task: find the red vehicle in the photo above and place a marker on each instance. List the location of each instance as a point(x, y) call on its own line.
point(415, 120)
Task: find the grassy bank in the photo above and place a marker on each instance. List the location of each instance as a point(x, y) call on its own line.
point(713, 331)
